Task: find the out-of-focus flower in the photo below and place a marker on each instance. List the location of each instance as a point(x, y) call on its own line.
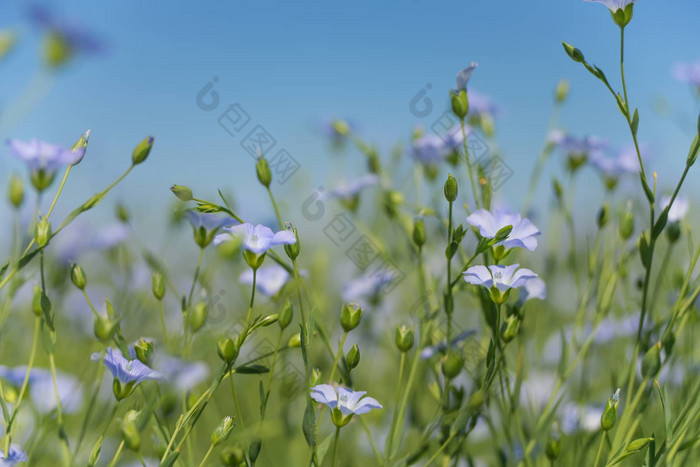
point(623, 163)
point(367, 286)
point(489, 223)
point(441, 347)
point(465, 75)
point(572, 145)
point(348, 190)
point(432, 149)
point(482, 105)
point(124, 370)
point(499, 276)
point(256, 239)
point(44, 159)
point(614, 5)
point(7, 42)
point(64, 39)
point(580, 418)
point(183, 375)
point(41, 388)
point(13, 457)
point(206, 220)
point(269, 280)
point(678, 210)
point(688, 73)
point(346, 400)
point(534, 288)
point(80, 239)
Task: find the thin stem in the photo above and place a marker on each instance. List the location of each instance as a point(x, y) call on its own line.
point(274, 205)
point(335, 447)
point(252, 298)
point(162, 321)
point(113, 462)
point(469, 165)
point(206, 456)
point(337, 355)
point(600, 449)
point(235, 402)
point(390, 438)
point(59, 411)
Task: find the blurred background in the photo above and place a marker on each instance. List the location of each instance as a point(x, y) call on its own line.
point(292, 65)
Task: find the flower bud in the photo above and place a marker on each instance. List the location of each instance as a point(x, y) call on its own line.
point(222, 431)
point(269, 320)
point(77, 275)
point(104, 328)
point(232, 456)
point(7, 42)
point(350, 316)
point(42, 232)
point(451, 188)
point(573, 52)
point(627, 225)
point(36, 301)
point(340, 420)
point(80, 146)
point(198, 316)
point(263, 170)
point(144, 350)
point(293, 249)
point(452, 365)
point(142, 150)
point(123, 213)
point(562, 91)
point(158, 286)
point(182, 192)
point(651, 363)
point(130, 432)
point(609, 417)
point(404, 338)
point(315, 377)
point(418, 233)
point(285, 316)
point(673, 232)
point(227, 350)
point(603, 215)
point(294, 341)
point(460, 103)
point(41, 179)
point(553, 449)
point(15, 191)
point(510, 328)
point(353, 357)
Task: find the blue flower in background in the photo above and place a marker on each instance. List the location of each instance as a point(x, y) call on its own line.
point(368, 286)
point(688, 73)
point(76, 37)
point(40, 155)
point(269, 280)
point(625, 162)
point(678, 210)
point(346, 400)
point(502, 277)
point(613, 5)
point(441, 347)
point(481, 105)
point(534, 288)
point(575, 146)
point(465, 75)
point(347, 190)
point(489, 223)
point(124, 370)
point(207, 220)
point(256, 239)
point(41, 388)
point(13, 457)
point(182, 374)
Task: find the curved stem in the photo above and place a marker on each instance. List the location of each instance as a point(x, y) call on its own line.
point(337, 355)
point(469, 165)
point(206, 456)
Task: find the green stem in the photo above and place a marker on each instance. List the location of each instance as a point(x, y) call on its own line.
point(335, 447)
point(113, 462)
point(469, 165)
point(390, 439)
point(59, 412)
point(600, 449)
point(337, 355)
point(162, 321)
point(206, 456)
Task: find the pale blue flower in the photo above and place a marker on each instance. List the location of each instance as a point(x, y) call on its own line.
point(76, 36)
point(576, 418)
point(40, 155)
point(207, 220)
point(534, 288)
point(124, 370)
point(441, 347)
point(256, 239)
point(182, 374)
point(678, 210)
point(13, 457)
point(688, 73)
point(346, 190)
point(269, 279)
point(41, 388)
point(624, 162)
point(489, 223)
point(346, 400)
point(589, 146)
point(367, 286)
point(465, 75)
point(481, 104)
point(502, 277)
point(613, 5)
point(432, 149)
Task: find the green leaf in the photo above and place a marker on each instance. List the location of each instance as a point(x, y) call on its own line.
point(635, 122)
point(309, 423)
point(660, 223)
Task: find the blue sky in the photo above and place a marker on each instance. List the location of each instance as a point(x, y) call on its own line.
point(290, 64)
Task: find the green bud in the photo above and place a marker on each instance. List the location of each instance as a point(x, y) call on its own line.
point(510, 328)
point(609, 417)
point(350, 316)
point(42, 179)
point(573, 52)
point(57, 49)
point(460, 103)
point(562, 91)
point(553, 449)
point(293, 249)
point(104, 328)
point(638, 444)
point(269, 320)
point(418, 233)
point(144, 350)
point(558, 190)
point(142, 150)
point(15, 191)
point(77, 275)
point(603, 215)
point(694, 150)
point(263, 170)
point(158, 286)
point(123, 213)
point(404, 338)
point(451, 189)
point(222, 431)
point(36, 301)
point(651, 363)
point(285, 316)
point(452, 365)
point(340, 420)
point(673, 232)
point(122, 391)
point(353, 357)
point(182, 192)
point(7, 42)
point(232, 456)
point(130, 433)
point(254, 260)
point(42, 232)
point(227, 350)
point(294, 341)
point(315, 377)
point(627, 225)
point(341, 127)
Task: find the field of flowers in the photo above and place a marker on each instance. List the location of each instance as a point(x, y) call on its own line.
point(428, 327)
